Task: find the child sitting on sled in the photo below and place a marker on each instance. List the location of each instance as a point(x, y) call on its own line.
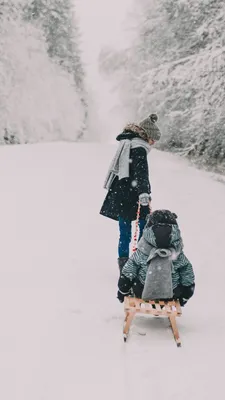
point(160, 257)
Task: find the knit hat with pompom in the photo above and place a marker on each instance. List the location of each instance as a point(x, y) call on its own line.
point(149, 128)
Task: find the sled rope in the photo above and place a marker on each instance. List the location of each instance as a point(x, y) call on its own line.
point(136, 231)
point(136, 227)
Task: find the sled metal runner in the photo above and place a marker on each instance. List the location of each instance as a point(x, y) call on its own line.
point(170, 309)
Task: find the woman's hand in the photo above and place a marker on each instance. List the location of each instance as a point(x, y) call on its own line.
point(145, 199)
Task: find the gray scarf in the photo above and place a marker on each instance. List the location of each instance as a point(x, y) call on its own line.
point(121, 161)
point(158, 281)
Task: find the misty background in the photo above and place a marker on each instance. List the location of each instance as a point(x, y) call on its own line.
point(78, 70)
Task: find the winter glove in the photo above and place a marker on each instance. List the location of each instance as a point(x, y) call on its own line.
point(183, 293)
point(137, 288)
point(187, 293)
point(144, 199)
point(177, 292)
point(124, 286)
point(120, 296)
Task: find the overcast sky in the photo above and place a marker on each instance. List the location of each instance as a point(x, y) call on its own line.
point(101, 24)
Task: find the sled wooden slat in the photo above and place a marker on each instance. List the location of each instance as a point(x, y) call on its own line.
point(158, 308)
point(170, 309)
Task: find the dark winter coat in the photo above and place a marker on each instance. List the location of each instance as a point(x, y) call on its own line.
point(123, 195)
point(159, 235)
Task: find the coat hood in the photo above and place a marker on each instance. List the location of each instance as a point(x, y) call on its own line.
point(164, 236)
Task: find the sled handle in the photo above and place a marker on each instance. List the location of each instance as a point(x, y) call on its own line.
point(136, 225)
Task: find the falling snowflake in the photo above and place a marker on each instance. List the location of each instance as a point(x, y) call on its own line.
point(134, 183)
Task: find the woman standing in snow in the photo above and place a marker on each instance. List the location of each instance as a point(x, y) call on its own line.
point(128, 182)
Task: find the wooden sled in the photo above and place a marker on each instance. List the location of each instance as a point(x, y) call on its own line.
point(170, 309)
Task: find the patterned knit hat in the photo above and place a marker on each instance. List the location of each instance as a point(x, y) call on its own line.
point(150, 129)
point(162, 217)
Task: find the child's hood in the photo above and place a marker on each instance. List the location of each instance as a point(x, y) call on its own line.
point(168, 234)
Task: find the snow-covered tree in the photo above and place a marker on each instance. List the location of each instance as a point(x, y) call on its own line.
point(38, 98)
point(58, 20)
point(175, 67)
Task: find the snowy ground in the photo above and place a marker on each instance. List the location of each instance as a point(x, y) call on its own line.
point(61, 324)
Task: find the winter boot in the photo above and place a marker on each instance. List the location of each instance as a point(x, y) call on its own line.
point(121, 262)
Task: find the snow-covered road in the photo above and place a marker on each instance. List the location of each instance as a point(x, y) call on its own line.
point(60, 321)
